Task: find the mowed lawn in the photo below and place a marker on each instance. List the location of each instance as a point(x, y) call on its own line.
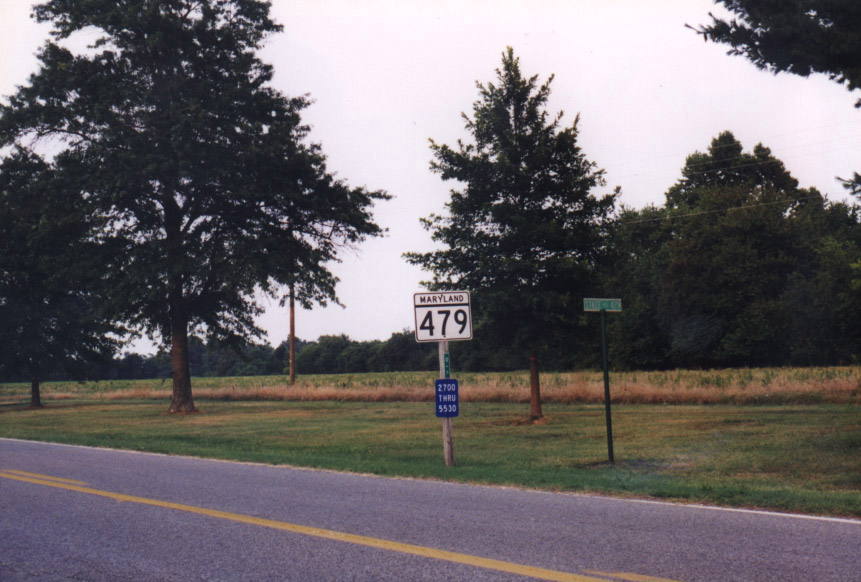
point(800, 458)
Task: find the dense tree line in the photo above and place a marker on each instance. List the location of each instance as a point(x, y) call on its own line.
point(327, 355)
point(739, 267)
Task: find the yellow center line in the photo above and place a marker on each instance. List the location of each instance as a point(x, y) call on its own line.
point(46, 477)
point(415, 550)
point(629, 577)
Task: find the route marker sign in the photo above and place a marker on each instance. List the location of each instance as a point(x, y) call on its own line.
point(613, 305)
point(443, 316)
point(447, 405)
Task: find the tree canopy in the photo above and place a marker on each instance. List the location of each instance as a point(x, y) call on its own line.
point(800, 37)
point(204, 170)
point(733, 248)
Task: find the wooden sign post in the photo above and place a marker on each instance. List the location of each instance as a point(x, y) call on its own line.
point(447, 437)
point(442, 317)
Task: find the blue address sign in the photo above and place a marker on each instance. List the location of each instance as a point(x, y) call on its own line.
point(447, 405)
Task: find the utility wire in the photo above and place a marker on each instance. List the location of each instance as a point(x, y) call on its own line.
point(646, 173)
point(771, 151)
point(731, 208)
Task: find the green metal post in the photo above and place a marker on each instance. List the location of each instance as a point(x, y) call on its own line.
point(606, 384)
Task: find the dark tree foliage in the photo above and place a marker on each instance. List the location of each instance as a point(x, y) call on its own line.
point(794, 36)
point(800, 37)
point(206, 360)
point(524, 232)
point(633, 271)
point(734, 246)
point(324, 356)
point(340, 354)
point(824, 295)
point(51, 288)
point(203, 168)
point(740, 267)
point(401, 352)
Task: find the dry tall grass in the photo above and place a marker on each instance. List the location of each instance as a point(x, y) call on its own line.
point(839, 385)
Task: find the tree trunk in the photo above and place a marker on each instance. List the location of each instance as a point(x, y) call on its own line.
point(35, 396)
point(181, 402)
point(534, 389)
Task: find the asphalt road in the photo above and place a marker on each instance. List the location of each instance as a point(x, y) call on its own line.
point(75, 513)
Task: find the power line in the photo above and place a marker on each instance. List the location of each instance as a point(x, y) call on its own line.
point(728, 209)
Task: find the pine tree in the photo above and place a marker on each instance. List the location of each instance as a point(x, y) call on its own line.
point(524, 232)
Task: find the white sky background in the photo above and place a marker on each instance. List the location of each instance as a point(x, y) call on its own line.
point(387, 75)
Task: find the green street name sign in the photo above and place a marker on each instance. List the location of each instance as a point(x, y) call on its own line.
point(602, 305)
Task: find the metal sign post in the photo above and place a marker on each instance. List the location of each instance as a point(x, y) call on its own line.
point(603, 306)
point(442, 317)
point(606, 385)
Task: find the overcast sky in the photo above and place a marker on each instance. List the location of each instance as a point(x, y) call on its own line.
point(387, 75)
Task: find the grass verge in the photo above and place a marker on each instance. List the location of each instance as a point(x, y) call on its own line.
point(789, 458)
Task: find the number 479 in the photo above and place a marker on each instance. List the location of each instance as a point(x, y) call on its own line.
point(460, 318)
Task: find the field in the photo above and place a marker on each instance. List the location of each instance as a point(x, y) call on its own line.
point(836, 385)
point(786, 439)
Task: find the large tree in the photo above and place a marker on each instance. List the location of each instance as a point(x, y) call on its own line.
point(201, 165)
point(524, 231)
point(51, 285)
point(736, 221)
